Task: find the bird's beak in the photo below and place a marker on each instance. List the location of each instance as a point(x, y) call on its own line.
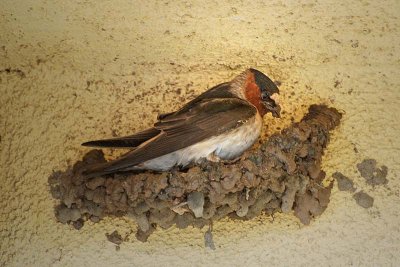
point(273, 106)
point(276, 112)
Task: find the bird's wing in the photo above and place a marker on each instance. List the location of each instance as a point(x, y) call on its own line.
point(222, 90)
point(126, 141)
point(219, 91)
point(206, 119)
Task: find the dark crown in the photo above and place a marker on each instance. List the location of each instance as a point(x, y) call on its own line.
point(264, 83)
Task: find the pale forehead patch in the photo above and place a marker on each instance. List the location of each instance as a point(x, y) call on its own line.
point(275, 97)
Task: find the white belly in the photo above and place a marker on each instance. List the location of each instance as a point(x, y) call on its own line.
point(225, 147)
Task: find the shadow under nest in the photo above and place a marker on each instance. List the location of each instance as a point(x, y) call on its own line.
point(282, 174)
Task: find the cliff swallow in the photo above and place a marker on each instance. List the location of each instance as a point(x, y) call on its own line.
point(219, 124)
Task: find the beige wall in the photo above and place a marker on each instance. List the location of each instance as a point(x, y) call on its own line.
point(72, 71)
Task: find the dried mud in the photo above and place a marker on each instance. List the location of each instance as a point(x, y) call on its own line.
point(282, 174)
point(364, 200)
point(371, 173)
point(344, 182)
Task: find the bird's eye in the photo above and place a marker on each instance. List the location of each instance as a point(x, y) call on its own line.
point(264, 96)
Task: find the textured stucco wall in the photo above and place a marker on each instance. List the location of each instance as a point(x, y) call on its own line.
point(71, 71)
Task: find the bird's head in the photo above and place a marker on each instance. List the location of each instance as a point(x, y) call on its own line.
point(262, 92)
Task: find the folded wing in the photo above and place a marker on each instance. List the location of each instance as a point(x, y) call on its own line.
point(206, 119)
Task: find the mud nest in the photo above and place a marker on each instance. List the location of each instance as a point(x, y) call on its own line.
point(282, 174)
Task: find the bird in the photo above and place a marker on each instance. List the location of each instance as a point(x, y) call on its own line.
point(218, 125)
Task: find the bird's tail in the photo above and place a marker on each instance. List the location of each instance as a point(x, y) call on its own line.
point(97, 169)
point(131, 141)
point(126, 141)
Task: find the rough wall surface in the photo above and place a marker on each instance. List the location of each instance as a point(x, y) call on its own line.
point(71, 72)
